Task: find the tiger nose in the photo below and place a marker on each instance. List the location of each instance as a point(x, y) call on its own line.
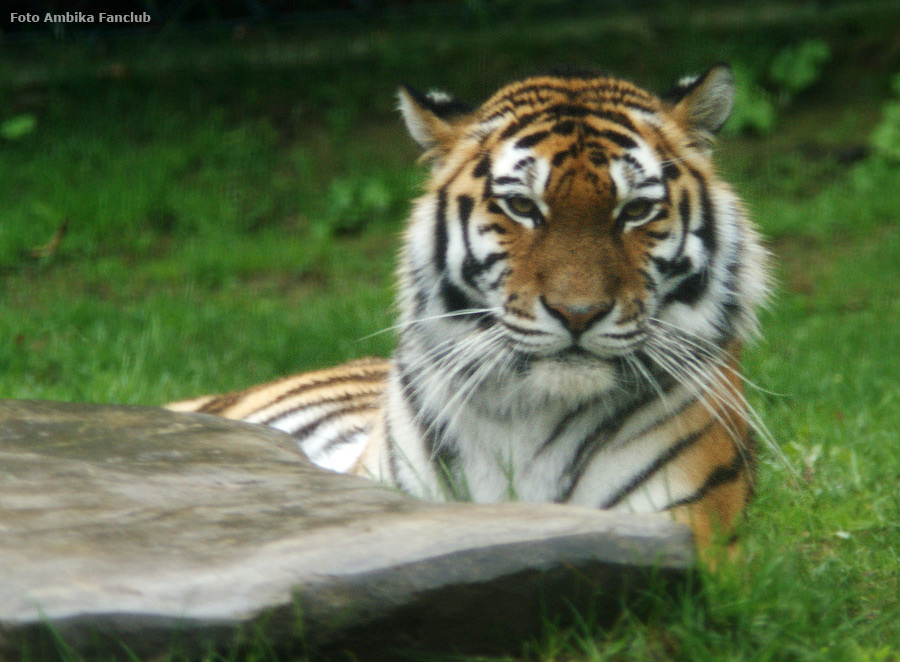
point(577, 318)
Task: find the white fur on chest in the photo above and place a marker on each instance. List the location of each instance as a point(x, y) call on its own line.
point(519, 438)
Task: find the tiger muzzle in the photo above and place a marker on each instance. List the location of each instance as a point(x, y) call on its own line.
point(577, 318)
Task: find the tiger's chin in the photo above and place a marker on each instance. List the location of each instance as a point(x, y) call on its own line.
point(568, 377)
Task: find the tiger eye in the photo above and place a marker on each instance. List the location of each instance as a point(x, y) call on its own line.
point(636, 209)
point(522, 206)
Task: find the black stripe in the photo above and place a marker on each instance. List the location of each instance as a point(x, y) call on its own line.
point(492, 227)
point(522, 330)
point(522, 163)
point(221, 403)
point(721, 475)
point(673, 268)
point(465, 203)
point(455, 300)
point(343, 397)
point(520, 363)
point(494, 208)
point(671, 172)
point(690, 289)
point(684, 211)
point(604, 432)
point(625, 335)
point(590, 445)
point(531, 140)
point(561, 110)
point(307, 430)
point(469, 267)
point(346, 437)
point(594, 178)
point(521, 123)
point(671, 158)
point(598, 157)
point(507, 180)
point(571, 151)
point(520, 95)
point(662, 459)
point(561, 427)
point(560, 157)
point(564, 128)
point(500, 279)
point(472, 268)
point(585, 130)
point(369, 374)
point(440, 233)
point(707, 231)
point(492, 259)
point(619, 139)
point(603, 87)
point(488, 192)
point(568, 110)
point(618, 118)
point(483, 168)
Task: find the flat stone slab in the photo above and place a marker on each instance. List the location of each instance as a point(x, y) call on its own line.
point(138, 529)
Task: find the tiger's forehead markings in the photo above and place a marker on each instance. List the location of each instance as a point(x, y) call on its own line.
point(545, 124)
point(596, 111)
point(552, 90)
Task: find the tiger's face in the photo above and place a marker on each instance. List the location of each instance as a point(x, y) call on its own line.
point(561, 243)
point(578, 219)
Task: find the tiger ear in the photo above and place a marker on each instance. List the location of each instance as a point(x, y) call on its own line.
point(433, 119)
point(703, 103)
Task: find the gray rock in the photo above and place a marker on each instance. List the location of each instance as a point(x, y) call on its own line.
point(141, 529)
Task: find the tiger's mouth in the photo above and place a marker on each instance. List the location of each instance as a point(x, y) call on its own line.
point(579, 352)
point(576, 353)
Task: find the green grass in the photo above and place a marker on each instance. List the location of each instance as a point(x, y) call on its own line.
point(237, 221)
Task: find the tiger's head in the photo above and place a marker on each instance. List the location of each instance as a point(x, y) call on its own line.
point(577, 220)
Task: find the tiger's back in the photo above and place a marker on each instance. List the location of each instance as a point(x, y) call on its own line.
point(574, 288)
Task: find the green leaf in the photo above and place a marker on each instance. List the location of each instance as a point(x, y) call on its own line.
point(16, 128)
point(799, 67)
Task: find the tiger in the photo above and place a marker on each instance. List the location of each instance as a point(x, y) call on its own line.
point(574, 288)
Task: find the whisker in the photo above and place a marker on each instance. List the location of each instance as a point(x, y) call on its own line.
point(471, 383)
point(676, 160)
point(710, 350)
point(699, 386)
point(421, 320)
point(713, 368)
point(708, 379)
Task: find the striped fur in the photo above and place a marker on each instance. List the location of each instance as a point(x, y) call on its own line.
point(329, 412)
point(575, 285)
